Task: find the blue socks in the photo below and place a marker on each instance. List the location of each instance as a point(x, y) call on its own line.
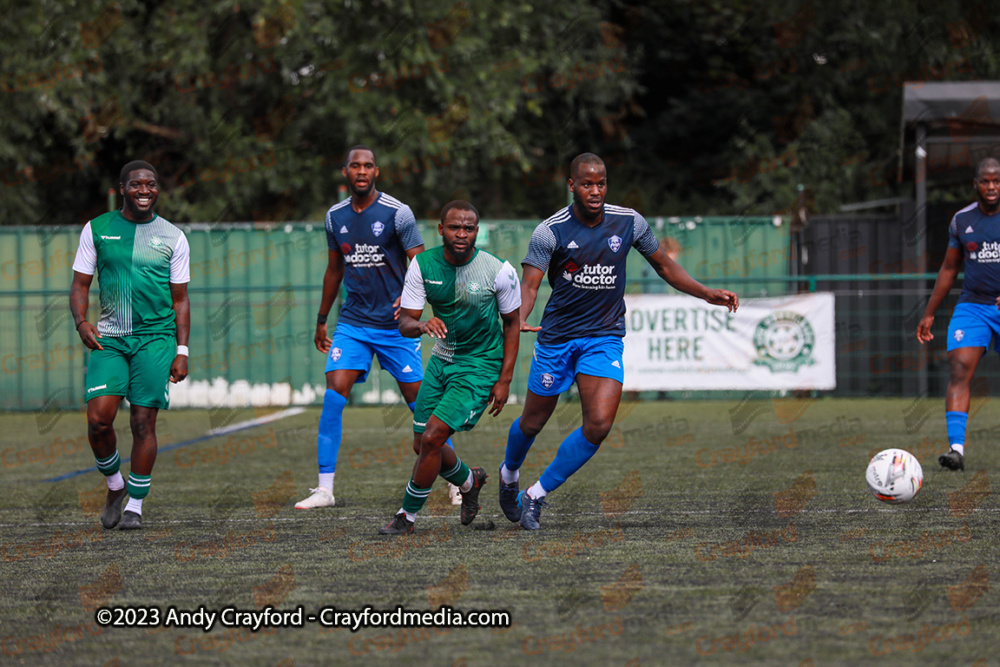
point(330, 430)
point(574, 451)
point(518, 445)
point(956, 427)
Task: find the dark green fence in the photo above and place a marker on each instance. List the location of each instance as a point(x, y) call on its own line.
point(254, 295)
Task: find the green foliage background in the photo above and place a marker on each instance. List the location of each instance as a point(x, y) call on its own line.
point(717, 107)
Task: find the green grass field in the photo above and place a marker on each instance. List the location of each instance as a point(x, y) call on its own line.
point(680, 543)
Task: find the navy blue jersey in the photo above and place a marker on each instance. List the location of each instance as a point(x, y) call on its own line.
point(374, 244)
point(586, 268)
point(977, 235)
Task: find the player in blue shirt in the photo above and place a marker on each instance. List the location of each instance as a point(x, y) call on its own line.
point(973, 237)
point(583, 248)
point(370, 237)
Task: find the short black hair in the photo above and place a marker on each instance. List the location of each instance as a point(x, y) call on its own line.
point(358, 147)
point(461, 205)
point(582, 159)
point(133, 166)
point(986, 163)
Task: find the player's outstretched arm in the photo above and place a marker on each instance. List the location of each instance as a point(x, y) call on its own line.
point(531, 279)
point(511, 339)
point(675, 275)
point(182, 312)
point(79, 302)
point(332, 278)
point(945, 280)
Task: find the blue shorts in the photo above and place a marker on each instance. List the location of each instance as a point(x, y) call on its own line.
point(974, 325)
point(555, 367)
point(353, 347)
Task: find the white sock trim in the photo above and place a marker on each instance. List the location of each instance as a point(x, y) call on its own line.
point(115, 482)
point(467, 484)
point(134, 505)
point(326, 480)
point(536, 491)
point(509, 476)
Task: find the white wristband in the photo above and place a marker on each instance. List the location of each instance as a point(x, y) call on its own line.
point(183, 349)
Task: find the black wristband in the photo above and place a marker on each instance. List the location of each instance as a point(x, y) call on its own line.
point(321, 319)
point(79, 323)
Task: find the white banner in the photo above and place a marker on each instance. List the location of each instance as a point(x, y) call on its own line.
point(679, 342)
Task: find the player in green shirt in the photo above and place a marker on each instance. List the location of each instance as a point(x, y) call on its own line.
point(140, 342)
point(472, 363)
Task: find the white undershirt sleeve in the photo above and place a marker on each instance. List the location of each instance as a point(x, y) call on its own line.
point(180, 262)
point(86, 254)
point(508, 289)
point(414, 295)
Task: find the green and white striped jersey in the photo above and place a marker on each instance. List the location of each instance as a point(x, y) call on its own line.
point(135, 264)
point(467, 298)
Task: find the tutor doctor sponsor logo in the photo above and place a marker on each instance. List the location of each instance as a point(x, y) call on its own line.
point(987, 253)
point(363, 255)
point(590, 276)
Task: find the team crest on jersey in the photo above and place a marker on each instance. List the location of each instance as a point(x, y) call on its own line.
point(615, 242)
point(474, 287)
point(547, 380)
point(378, 228)
point(156, 242)
point(335, 353)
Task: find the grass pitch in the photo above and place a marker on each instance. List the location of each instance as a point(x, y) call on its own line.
point(701, 533)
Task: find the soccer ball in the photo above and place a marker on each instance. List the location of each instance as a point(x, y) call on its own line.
point(894, 476)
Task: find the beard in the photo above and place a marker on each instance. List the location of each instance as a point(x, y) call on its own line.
point(135, 211)
point(581, 205)
point(360, 193)
point(989, 208)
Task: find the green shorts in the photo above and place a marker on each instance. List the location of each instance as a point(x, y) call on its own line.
point(136, 367)
point(456, 393)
